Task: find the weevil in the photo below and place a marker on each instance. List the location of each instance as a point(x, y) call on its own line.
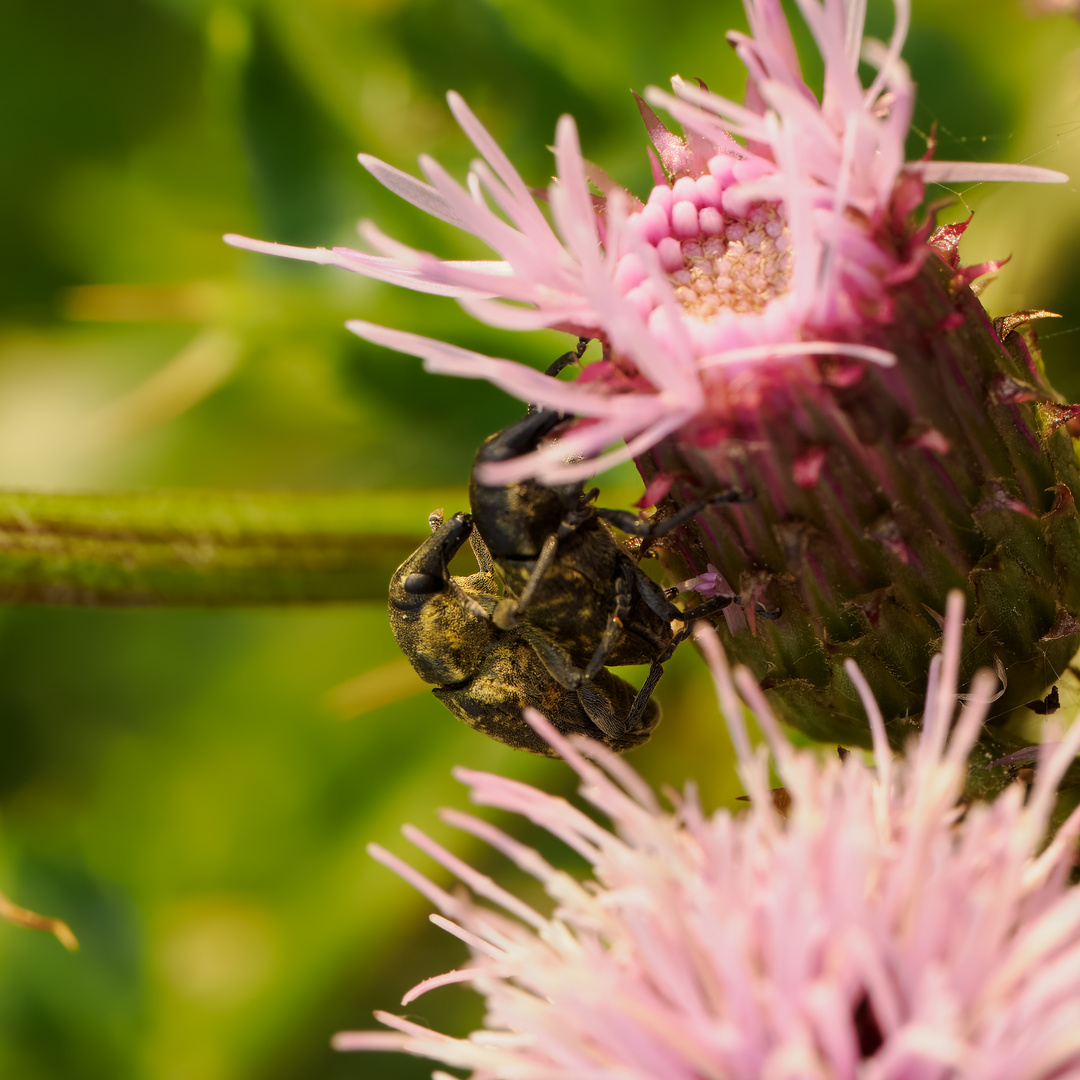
point(565, 573)
point(486, 675)
point(557, 599)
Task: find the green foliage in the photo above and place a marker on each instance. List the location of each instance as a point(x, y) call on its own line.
point(179, 785)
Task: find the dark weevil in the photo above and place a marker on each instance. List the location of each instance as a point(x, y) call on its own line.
point(557, 598)
point(486, 675)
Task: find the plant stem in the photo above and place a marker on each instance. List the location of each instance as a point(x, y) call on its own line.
point(194, 547)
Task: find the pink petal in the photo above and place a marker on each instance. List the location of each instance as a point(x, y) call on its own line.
point(413, 191)
point(952, 172)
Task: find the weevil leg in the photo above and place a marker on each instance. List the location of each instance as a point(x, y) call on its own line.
point(710, 607)
point(653, 530)
point(762, 611)
point(464, 599)
point(483, 556)
point(677, 639)
point(557, 661)
point(644, 695)
point(579, 512)
point(658, 601)
point(572, 357)
point(508, 610)
point(597, 707)
point(599, 711)
point(614, 629)
point(714, 604)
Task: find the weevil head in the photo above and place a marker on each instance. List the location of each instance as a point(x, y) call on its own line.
point(443, 641)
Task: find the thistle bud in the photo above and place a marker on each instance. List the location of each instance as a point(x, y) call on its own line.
point(879, 489)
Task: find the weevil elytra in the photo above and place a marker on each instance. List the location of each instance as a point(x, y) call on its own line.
point(486, 675)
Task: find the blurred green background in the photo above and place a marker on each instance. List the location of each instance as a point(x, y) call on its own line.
point(193, 790)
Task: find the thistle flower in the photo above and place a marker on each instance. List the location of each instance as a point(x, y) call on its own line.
point(773, 317)
point(879, 931)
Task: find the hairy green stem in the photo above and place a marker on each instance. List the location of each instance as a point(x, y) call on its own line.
point(206, 547)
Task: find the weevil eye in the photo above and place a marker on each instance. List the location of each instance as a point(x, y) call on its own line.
point(424, 583)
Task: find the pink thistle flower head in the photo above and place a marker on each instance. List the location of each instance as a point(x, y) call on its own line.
point(746, 260)
point(879, 931)
point(773, 318)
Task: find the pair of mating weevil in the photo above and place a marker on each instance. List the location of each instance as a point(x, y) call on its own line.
point(556, 599)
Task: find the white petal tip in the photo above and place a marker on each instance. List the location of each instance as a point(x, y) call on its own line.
point(565, 126)
point(246, 243)
point(375, 334)
point(957, 172)
point(459, 107)
point(361, 328)
point(287, 251)
point(1054, 176)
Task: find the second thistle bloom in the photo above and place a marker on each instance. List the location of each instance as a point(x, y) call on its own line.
point(773, 316)
point(878, 932)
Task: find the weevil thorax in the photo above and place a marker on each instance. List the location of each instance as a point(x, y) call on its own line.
point(515, 519)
